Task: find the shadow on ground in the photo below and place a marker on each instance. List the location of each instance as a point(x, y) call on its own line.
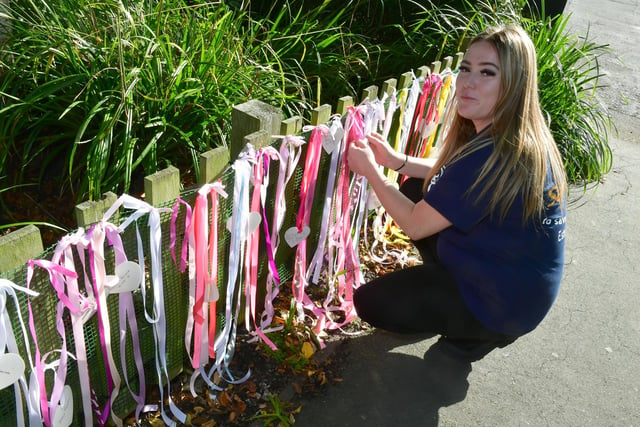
point(383, 381)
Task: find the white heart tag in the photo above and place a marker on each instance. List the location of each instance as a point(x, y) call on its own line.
point(329, 143)
point(128, 278)
point(254, 221)
point(333, 137)
point(293, 237)
point(211, 292)
point(372, 201)
point(11, 369)
point(428, 128)
point(63, 415)
point(90, 309)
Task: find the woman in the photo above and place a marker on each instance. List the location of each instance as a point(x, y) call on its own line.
point(489, 220)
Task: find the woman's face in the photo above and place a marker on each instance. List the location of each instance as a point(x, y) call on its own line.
point(478, 84)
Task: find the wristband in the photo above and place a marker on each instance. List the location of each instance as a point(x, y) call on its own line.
point(406, 157)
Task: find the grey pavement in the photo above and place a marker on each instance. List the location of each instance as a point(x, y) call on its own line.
point(581, 366)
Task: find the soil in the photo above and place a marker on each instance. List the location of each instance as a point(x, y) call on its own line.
point(274, 387)
point(42, 204)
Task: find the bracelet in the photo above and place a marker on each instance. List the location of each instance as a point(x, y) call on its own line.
point(406, 157)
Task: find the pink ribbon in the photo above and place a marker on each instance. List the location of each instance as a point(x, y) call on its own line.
point(290, 153)
point(173, 232)
point(260, 184)
point(99, 275)
point(307, 190)
point(126, 316)
point(56, 278)
point(429, 96)
point(63, 255)
point(8, 342)
point(206, 273)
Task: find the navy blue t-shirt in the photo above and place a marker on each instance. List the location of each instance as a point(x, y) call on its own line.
point(508, 272)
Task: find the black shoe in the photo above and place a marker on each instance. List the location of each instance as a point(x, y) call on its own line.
point(470, 350)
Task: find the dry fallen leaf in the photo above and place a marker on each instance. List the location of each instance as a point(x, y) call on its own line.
point(307, 350)
point(322, 377)
point(296, 387)
point(156, 422)
point(224, 399)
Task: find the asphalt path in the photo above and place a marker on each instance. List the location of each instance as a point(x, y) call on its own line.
point(581, 366)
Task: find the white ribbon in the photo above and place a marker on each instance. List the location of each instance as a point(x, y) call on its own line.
point(239, 227)
point(159, 318)
point(8, 343)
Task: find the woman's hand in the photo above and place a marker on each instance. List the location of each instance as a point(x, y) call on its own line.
point(361, 159)
point(384, 154)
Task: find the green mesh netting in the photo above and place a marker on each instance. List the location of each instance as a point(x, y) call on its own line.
point(175, 293)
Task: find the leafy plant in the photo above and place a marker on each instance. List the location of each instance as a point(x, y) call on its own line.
point(95, 95)
point(569, 77)
point(293, 342)
point(113, 90)
point(279, 413)
point(22, 224)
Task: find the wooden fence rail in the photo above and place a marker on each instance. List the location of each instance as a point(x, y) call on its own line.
point(253, 122)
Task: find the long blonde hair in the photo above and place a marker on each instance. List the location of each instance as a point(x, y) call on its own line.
point(523, 145)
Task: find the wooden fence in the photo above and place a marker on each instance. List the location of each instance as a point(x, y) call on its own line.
point(253, 123)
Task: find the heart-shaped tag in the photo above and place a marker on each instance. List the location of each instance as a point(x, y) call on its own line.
point(90, 309)
point(372, 200)
point(63, 415)
point(253, 222)
point(211, 292)
point(128, 278)
point(293, 237)
point(332, 138)
point(428, 128)
point(329, 143)
point(11, 369)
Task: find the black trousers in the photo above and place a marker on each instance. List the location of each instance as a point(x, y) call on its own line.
point(420, 299)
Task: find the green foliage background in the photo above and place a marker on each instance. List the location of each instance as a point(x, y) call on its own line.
point(94, 95)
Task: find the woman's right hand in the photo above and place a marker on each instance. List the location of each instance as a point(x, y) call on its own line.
point(382, 151)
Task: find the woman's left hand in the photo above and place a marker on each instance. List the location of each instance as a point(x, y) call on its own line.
point(360, 158)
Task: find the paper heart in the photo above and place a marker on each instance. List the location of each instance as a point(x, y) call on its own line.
point(90, 309)
point(293, 237)
point(11, 369)
point(372, 201)
point(329, 143)
point(332, 138)
point(128, 278)
point(63, 415)
point(428, 128)
point(253, 222)
point(211, 292)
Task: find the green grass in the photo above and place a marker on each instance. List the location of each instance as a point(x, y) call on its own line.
point(97, 94)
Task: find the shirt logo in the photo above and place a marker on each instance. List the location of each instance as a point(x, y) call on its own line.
point(436, 177)
point(553, 197)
